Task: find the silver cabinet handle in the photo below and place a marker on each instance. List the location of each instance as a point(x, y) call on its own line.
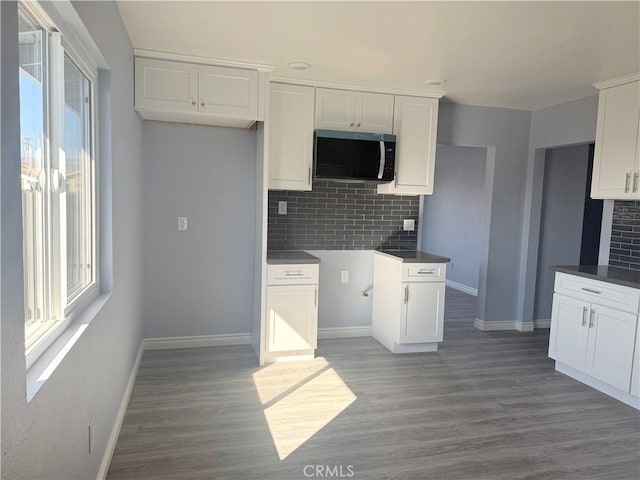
point(635, 181)
point(591, 318)
point(422, 271)
point(193, 102)
point(406, 294)
point(626, 182)
point(293, 274)
point(315, 297)
point(591, 290)
point(309, 175)
point(584, 316)
point(202, 104)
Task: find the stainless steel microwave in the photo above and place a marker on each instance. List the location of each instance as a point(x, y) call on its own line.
point(354, 156)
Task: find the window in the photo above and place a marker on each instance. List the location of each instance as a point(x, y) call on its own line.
point(58, 181)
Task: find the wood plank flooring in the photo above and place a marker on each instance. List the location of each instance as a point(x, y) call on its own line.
point(487, 405)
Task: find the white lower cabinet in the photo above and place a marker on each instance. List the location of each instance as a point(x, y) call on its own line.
point(596, 342)
point(292, 311)
point(292, 318)
point(408, 304)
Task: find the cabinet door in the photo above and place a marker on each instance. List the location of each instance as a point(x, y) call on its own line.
point(615, 163)
point(335, 109)
point(610, 348)
point(166, 86)
point(374, 112)
point(292, 317)
point(422, 316)
point(291, 137)
point(635, 369)
point(569, 331)
point(229, 92)
point(415, 122)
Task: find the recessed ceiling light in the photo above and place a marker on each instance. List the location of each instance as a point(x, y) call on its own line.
point(435, 82)
point(300, 66)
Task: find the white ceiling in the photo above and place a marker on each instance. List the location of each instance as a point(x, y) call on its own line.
point(524, 55)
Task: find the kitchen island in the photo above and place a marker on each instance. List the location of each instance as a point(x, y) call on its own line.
point(408, 300)
point(594, 334)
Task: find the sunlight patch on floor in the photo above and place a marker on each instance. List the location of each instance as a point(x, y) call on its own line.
point(303, 404)
point(275, 379)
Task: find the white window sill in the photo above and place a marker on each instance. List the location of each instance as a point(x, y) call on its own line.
point(46, 364)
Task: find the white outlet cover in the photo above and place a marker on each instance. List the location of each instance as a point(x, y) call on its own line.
point(282, 208)
point(409, 225)
point(183, 224)
point(344, 276)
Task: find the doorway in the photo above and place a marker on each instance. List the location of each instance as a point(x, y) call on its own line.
point(570, 221)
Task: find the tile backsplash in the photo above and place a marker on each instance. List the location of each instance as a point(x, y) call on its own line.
point(341, 216)
point(625, 235)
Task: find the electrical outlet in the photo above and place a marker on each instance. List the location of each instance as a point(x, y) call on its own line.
point(344, 276)
point(182, 224)
point(91, 433)
point(282, 208)
point(409, 225)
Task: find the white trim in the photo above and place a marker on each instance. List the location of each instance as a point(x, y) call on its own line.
point(117, 424)
point(196, 341)
point(605, 388)
point(179, 57)
point(359, 88)
point(462, 288)
point(344, 332)
point(542, 323)
point(614, 82)
point(496, 325)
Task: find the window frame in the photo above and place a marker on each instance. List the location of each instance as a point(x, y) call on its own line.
point(61, 42)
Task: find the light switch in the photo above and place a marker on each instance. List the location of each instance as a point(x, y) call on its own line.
point(344, 276)
point(282, 208)
point(182, 224)
point(409, 225)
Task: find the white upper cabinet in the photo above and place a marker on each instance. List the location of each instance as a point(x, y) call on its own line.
point(291, 136)
point(616, 164)
point(353, 111)
point(231, 92)
point(415, 124)
point(190, 93)
point(167, 86)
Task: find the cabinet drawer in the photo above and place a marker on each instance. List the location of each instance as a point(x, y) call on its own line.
point(608, 294)
point(292, 274)
point(424, 272)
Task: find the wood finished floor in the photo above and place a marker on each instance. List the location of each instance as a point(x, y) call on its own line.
point(487, 405)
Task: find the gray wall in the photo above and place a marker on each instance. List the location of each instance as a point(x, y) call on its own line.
point(506, 133)
point(47, 438)
point(198, 282)
point(572, 123)
point(342, 304)
point(452, 216)
point(565, 178)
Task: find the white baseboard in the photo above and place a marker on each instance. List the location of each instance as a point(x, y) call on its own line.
point(462, 288)
point(496, 325)
point(542, 323)
point(197, 341)
point(344, 332)
point(117, 424)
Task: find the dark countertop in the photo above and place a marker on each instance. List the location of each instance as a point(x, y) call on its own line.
point(604, 273)
point(284, 257)
point(414, 256)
